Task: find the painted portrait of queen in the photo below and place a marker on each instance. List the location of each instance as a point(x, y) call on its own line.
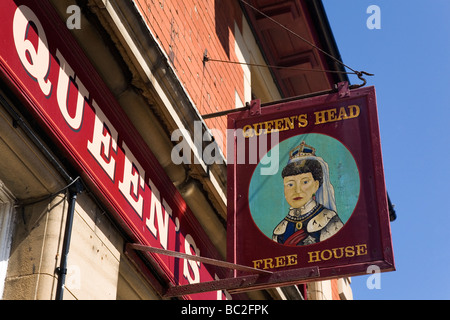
point(312, 215)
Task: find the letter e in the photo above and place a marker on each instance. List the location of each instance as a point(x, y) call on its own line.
point(132, 181)
point(104, 142)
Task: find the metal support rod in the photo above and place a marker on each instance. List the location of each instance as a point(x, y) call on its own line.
point(247, 105)
point(76, 188)
point(247, 283)
point(257, 280)
point(215, 262)
point(336, 89)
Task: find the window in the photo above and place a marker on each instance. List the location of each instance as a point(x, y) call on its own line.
point(6, 220)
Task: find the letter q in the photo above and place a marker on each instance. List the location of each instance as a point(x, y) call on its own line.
point(35, 60)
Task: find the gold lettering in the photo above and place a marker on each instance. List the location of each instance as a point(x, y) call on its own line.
point(275, 125)
point(354, 111)
point(256, 263)
point(276, 262)
point(332, 115)
point(350, 251)
point(328, 256)
point(280, 261)
point(302, 120)
point(278, 124)
point(338, 256)
point(268, 263)
point(290, 122)
point(320, 117)
point(337, 253)
point(247, 131)
point(291, 260)
point(314, 256)
point(342, 114)
point(269, 126)
point(361, 249)
point(257, 131)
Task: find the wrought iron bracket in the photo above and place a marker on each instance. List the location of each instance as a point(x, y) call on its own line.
point(343, 89)
point(255, 106)
point(257, 279)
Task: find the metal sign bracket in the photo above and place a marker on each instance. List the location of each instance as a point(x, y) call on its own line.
point(343, 89)
point(257, 279)
point(255, 107)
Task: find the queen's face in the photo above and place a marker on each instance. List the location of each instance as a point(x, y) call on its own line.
point(299, 189)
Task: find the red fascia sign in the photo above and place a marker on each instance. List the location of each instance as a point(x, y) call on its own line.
point(306, 187)
point(42, 63)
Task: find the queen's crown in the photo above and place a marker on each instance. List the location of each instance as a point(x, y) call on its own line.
point(302, 150)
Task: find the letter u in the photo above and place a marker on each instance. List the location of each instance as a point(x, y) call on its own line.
point(258, 131)
point(65, 73)
point(336, 256)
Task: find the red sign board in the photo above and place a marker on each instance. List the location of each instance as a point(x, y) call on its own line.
point(306, 187)
point(43, 64)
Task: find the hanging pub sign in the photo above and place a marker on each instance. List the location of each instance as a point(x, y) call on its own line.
point(44, 66)
point(306, 186)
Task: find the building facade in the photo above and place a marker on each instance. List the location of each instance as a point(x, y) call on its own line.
point(95, 97)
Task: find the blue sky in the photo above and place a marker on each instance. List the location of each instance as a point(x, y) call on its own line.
point(410, 57)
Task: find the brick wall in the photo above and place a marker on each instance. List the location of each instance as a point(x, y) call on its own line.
point(184, 30)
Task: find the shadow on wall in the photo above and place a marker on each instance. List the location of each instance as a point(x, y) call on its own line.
point(224, 22)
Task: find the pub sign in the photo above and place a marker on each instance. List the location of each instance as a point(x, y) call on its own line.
point(306, 186)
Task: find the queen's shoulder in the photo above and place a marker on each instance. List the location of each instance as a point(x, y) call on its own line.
point(322, 219)
point(280, 228)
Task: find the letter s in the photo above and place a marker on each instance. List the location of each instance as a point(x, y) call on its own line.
point(36, 61)
point(190, 265)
